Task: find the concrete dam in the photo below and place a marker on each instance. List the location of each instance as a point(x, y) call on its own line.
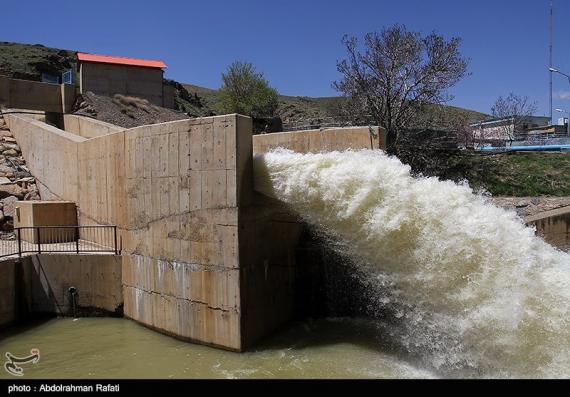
point(204, 258)
point(211, 218)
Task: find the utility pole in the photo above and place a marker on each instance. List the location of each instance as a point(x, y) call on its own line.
point(550, 37)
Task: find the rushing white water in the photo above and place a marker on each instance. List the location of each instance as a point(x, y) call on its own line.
point(461, 284)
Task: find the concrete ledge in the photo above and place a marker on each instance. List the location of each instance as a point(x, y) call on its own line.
point(553, 227)
point(328, 139)
point(547, 214)
point(87, 127)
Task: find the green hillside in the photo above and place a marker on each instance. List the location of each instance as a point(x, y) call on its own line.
point(292, 108)
point(28, 62)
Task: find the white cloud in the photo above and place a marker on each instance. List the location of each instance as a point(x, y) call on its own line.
point(564, 95)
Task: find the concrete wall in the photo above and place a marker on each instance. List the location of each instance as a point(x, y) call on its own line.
point(97, 279)
point(327, 139)
point(9, 305)
point(182, 273)
point(205, 258)
point(554, 227)
point(109, 79)
point(173, 190)
point(88, 128)
point(169, 93)
point(51, 155)
point(33, 95)
point(270, 235)
point(40, 284)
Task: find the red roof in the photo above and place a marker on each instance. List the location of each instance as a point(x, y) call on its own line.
point(120, 60)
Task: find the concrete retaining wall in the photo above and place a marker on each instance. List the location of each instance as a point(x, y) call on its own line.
point(182, 276)
point(51, 155)
point(34, 95)
point(205, 258)
point(173, 190)
point(554, 227)
point(97, 279)
point(88, 128)
point(8, 291)
point(328, 139)
point(270, 235)
point(40, 284)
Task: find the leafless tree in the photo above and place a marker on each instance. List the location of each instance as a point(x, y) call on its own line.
point(515, 110)
point(397, 73)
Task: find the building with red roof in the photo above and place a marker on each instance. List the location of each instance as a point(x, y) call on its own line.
point(110, 75)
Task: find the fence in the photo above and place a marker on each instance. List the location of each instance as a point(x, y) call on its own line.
point(60, 239)
point(303, 125)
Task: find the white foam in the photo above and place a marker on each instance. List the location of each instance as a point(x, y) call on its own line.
point(461, 284)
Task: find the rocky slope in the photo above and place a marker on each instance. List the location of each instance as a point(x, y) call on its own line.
point(124, 111)
point(16, 181)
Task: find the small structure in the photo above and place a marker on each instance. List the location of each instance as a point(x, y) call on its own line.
point(108, 75)
point(30, 215)
point(506, 128)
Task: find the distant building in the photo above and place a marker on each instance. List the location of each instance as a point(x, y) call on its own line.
point(504, 129)
point(107, 75)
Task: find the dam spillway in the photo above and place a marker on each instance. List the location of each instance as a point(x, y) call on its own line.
point(460, 284)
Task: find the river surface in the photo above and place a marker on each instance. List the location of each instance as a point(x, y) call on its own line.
point(100, 348)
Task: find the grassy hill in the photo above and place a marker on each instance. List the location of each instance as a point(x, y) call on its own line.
point(502, 174)
point(292, 108)
point(28, 62)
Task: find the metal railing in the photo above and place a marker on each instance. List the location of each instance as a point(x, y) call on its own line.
point(59, 239)
point(314, 124)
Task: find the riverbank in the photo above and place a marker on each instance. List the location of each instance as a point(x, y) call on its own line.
point(518, 174)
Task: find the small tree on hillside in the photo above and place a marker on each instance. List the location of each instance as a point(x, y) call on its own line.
point(516, 110)
point(398, 73)
point(247, 92)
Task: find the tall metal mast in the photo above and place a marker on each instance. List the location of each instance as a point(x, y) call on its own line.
point(551, 60)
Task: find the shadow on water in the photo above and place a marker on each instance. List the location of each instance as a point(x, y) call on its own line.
point(30, 324)
point(334, 305)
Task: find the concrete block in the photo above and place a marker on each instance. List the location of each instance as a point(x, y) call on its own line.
point(33, 214)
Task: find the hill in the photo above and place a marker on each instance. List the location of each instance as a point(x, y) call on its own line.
point(294, 108)
point(28, 62)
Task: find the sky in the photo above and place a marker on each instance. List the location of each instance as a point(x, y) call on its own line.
point(296, 44)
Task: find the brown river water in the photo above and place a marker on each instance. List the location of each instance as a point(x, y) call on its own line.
point(100, 348)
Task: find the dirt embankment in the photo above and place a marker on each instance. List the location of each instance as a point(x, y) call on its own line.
point(124, 111)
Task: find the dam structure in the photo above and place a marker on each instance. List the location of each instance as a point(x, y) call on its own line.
point(203, 256)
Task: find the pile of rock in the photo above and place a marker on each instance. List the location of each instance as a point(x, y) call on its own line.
point(16, 181)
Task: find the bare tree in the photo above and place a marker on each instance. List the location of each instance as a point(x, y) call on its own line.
point(397, 73)
point(516, 111)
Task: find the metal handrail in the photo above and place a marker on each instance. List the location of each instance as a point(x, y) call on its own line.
point(61, 239)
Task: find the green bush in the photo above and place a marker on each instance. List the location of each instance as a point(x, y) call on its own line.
point(245, 91)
